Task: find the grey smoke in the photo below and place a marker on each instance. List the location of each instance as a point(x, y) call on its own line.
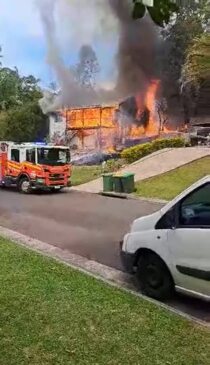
point(134, 59)
point(71, 93)
point(136, 50)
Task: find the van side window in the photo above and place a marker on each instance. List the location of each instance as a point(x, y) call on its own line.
point(30, 155)
point(167, 221)
point(15, 155)
point(195, 208)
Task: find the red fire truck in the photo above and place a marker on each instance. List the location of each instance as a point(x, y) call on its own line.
point(30, 166)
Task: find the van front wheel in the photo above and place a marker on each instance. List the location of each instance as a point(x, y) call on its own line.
point(154, 277)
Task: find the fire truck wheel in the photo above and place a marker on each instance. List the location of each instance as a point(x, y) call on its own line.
point(24, 185)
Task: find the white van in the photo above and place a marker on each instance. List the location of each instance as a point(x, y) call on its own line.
point(170, 249)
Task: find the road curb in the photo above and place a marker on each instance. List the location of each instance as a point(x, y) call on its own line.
point(120, 196)
point(111, 194)
point(99, 271)
point(150, 200)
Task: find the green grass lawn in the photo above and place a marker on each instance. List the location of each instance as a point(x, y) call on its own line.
point(53, 315)
point(84, 174)
point(170, 184)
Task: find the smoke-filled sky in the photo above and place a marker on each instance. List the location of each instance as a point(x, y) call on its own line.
point(24, 45)
point(43, 37)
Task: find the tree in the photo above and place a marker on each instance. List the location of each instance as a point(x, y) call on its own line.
point(160, 11)
point(16, 90)
point(196, 76)
point(25, 123)
point(177, 38)
point(2, 125)
point(197, 66)
point(21, 118)
point(191, 21)
point(87, 68)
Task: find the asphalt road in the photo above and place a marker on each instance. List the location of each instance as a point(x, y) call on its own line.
point(85, 224)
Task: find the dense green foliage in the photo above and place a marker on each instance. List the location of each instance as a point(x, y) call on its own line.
point(197, 65)
point(160, 12)
point(25, 123)
point(135, 153)
point(21, 118)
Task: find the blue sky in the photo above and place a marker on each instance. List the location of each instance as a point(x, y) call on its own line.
point(23, 42)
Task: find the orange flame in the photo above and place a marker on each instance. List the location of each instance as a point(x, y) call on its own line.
point(153, 124)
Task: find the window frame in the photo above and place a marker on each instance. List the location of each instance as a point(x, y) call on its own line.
point(35, 158)
point(15, 149)
point(177, 213)
point(199, 226)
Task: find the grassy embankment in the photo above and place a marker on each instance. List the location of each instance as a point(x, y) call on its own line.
point(51, 314)
point(170, 184)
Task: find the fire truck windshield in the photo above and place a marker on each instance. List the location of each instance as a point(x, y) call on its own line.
point(53, 156)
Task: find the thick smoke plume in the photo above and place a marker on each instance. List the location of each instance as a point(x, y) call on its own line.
point(136, 50)
point(71, 93)
point(135, 56)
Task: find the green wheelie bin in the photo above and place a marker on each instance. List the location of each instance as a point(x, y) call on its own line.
point(128, 183)
point(107, 182)
point(117, 182)
point(124, 183)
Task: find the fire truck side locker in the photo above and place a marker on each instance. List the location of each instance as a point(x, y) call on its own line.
point(3, 162)
point(0, 168)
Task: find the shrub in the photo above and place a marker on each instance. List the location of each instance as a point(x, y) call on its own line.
point(135, 153)
point(113, 165)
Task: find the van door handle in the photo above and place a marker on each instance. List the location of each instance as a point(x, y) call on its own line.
point(158, 237)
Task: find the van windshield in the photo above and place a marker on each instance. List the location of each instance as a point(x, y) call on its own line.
point(53, 156)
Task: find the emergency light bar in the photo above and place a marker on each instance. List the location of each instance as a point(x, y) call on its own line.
point(177, 2)
point(40, 144)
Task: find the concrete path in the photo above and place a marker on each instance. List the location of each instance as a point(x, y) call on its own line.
point(154, 164)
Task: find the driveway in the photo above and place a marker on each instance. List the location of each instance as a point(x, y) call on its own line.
point(155, 164)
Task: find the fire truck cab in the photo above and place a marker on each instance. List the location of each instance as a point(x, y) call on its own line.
point(30, 166)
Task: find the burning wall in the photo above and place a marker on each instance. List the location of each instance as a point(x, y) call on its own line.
point(91, 128)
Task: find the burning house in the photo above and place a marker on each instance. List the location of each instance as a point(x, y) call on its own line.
point(109, 128)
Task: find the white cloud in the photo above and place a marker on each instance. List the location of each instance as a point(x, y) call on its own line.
point(20, 17)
